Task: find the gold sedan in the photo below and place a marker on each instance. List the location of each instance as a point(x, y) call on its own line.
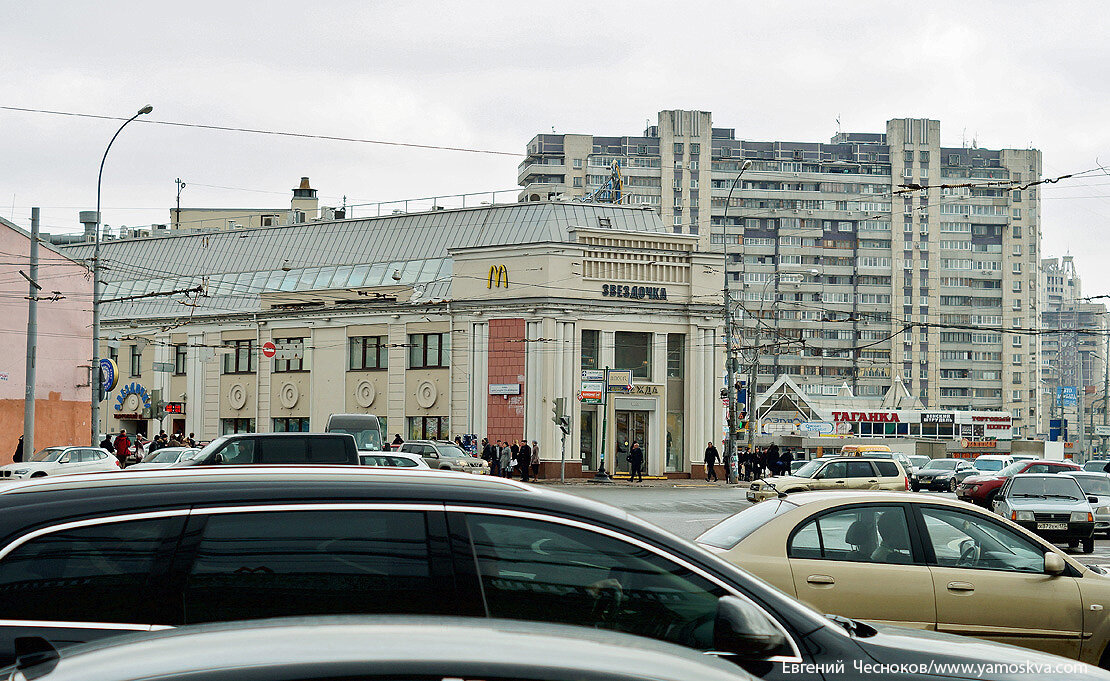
point(925, 562)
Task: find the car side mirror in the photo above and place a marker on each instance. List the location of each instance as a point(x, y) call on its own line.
point(64, 459)
point(1092, 500)
point(743, 630)
point(1053, 563)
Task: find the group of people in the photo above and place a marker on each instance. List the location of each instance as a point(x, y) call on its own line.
point(504, 458)
point(752, 464)
point(127, 451)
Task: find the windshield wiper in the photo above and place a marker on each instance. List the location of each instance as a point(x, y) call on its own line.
point(1062, 496)
point(781, 495)
point(1034, 496)
point(850, 625)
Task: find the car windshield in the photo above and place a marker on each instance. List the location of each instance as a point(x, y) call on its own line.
point(49, 454)
point(808, 470)
point(1094, 484)
point(450, 450)
point(168, 455)
point(991, 465)
point(919, 460)
point(1098, 465)
point(1061, 486)
point(365, 440)
point(731, 531)
point(387, 460)
point(941, 465)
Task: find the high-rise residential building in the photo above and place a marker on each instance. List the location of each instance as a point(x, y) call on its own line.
point(874, 256)
point(1073, 352)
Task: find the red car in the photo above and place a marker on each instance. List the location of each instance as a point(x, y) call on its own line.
point(981, 489)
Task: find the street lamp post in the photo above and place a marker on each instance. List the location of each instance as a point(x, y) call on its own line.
point(730, 448)
point(94, 425)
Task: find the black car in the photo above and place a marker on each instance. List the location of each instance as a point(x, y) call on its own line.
point(86, 557)
point(941, 475)
point(390, 647)
point(245, 449)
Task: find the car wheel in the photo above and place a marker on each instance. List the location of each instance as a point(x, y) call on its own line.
point(1073, 545)
point(444, 468)
point(915, 487)
point(1089, 545)
point(952, 486)
point(989, 501)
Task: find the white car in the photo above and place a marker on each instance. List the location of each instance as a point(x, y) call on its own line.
point(165, 457)
point(61, 461)
point(393, 460)
point(1096, 485)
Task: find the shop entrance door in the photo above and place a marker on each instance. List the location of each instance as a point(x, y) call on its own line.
point(632, 426)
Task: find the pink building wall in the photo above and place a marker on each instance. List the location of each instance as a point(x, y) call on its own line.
point(505, 415)
point(64, 345)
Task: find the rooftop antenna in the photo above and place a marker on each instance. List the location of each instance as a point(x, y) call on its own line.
point(838, 124)
point(963, 139)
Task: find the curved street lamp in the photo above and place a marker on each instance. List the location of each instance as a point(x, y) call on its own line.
point(95, 421)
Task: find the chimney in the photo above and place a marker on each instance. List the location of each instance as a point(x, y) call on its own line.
point(305, 201)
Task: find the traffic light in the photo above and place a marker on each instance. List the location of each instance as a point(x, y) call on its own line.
point(559, 414)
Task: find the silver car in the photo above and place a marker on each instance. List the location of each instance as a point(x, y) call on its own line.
point(1096, 486)
point(165, 457)
point(445, 456)
point(1051, 506)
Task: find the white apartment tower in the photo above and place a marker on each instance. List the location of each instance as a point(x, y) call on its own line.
point(873, 258)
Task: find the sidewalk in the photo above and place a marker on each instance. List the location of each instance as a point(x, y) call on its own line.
point(648, 482)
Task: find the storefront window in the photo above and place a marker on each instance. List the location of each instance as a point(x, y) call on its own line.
point(591, 348)
point(291, 425)
point(588, 434)
point(633, 351)
point(676, 355)
point(675, 440)
point(232, 426)
point(428, 428)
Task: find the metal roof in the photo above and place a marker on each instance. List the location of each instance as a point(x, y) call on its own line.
point(238, 265)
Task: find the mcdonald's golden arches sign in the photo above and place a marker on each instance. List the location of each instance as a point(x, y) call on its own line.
point(498, 277)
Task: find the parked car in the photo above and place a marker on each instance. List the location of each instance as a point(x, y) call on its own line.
point(981, 489)
point(1097, 485)
point(940, 475)
point(277, 448)
point(834, 473)
point(1024, 457)
point(917, 462)
point(445, 456)
point(1051, 506)
point(877, 452)
point(1096, 465)
point(84, 557)
point(795, 465)
point(61, 461)
point(164, 457)
point(381, 648)
point(365, 428)
point(924, 562)
point(393, 460)
point(989, 463)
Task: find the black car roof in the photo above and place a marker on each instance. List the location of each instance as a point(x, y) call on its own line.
point(338, 647)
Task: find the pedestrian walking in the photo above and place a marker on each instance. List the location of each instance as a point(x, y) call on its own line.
point(711, 456)
point(106, 444)
point(636, 459)
point(524, 458)
point(506, 460)
point(17, 457)
point(191, 441)
point(123, 448)
point(535, 461)
point(397, 441)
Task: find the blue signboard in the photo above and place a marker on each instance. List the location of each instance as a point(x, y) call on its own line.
point(1066, 396)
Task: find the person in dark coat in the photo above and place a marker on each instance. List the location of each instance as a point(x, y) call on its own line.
point(18, 456)
point(636, 461)
point(711, 456)
point(106, 444)
point(524, 460)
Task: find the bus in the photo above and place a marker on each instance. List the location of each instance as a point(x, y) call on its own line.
point(366, 429)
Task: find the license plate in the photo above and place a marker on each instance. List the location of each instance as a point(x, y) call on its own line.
point(1052, 526)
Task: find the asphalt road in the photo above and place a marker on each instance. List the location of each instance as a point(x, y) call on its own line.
point(688, 508)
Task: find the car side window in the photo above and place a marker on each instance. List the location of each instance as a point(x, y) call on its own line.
point(1038, 468)
point(836, 469)
point(327, 450)
point(868, 534)
point(860, 469)
point(238, 452)
point(283, 450)
point(549, 572)
point(966, 540)
point(887, 469)
point(288, 563)
point(97, 573)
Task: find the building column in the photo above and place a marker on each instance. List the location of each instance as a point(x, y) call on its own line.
point(657, 420)
point(396, 419)
point(479, 378)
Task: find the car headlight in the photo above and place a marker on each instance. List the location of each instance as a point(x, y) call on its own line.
point(1081, 517)
point(1024, 516)
point(21, 471)
point(1102, 510)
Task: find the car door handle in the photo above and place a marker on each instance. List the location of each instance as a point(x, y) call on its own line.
point(842, 482)
point(961, 586)
point(820, 579)
point(872, 481)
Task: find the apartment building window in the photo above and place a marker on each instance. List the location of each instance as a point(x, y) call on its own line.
point(1016, 213)
point(678, 148)
point(1017, 287)
point(295, 424)
point(1017, 231)
point(591, 348)
point(232, 426)
point(678, 221)
point(693, 183)
point(180, 354)
point(578, 182)
point(368, 352)
point(1017, 196)
point(632, 350)
point(1015, 341)
point(1017, 378)
point(290, 347)
point(694, 165)
point(1017, 359)
point(1016, 269)
point(136, 361)
point(577, 163)
point(676, 355)
point(695, 148)
point(241, 359)
point(429, 350)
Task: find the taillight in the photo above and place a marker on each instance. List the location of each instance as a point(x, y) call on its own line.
point(906, 480)
point(1090, 518)
point(1013, 515)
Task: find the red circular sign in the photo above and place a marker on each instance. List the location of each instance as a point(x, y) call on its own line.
point(269, 349)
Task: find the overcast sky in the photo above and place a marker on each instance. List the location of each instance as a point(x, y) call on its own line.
point(492, 75)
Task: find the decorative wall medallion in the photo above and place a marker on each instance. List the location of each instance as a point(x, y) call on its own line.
point(365, 394)
point(237, 396)
point(426, 394)
point(289, 395)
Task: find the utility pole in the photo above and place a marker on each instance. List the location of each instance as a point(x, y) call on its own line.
point(730, 446)
point(177, 213)
point(1105, 388)
point(33, 289)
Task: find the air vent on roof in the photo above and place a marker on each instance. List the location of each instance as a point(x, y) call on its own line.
point(604, 222)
